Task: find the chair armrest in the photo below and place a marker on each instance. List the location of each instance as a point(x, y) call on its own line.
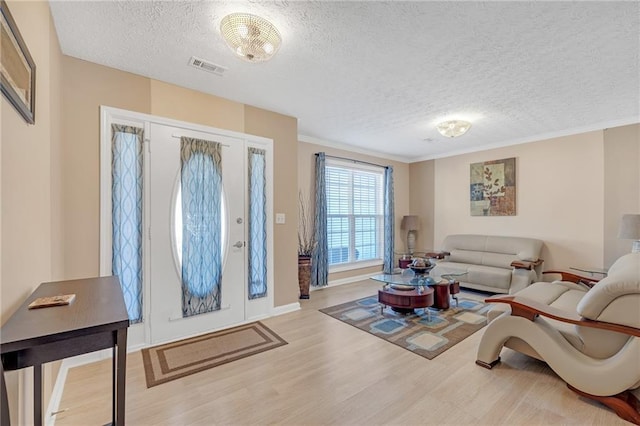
point(530, 309)
point(436, 255)
point(524, 264)
point(574, 278)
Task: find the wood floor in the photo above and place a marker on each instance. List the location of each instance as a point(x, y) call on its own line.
point(332, 373)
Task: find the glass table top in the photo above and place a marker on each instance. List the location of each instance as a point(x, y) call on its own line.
point(411, 279)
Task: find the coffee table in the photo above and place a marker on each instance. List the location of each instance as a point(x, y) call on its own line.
point(405, 300)
point(408, 291)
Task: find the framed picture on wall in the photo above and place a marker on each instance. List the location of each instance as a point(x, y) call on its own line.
point(493, 188)
point(17, 69)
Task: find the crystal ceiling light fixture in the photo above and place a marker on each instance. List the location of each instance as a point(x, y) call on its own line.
point(251, 37)
point(453, 128)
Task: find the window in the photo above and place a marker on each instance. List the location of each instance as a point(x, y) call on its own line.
point(354, 212)
point(177, 226)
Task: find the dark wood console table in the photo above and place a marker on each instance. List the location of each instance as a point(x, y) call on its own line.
point(97, 319)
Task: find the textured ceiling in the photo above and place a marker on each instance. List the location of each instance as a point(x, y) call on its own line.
point(378, 76)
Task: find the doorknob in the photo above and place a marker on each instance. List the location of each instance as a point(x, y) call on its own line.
point(238, 244)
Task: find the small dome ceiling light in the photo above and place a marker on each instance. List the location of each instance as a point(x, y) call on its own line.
point(453, 128)
point(251, 37)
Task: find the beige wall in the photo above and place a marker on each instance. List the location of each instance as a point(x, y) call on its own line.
point(26, 171)
point(571, 194)
point(422, 200)
point(57, 219)
point(29, 179)
point(57, 235)
point(560, 198)
point(621, 185)
point(306, 182)
point(284, 132)
point(86, 86)
point(168, 100)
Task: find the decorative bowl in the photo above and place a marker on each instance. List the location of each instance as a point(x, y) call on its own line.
point(421, 270)
point(402, 287)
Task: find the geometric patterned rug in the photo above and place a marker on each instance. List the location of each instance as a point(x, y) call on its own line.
point(423, 334)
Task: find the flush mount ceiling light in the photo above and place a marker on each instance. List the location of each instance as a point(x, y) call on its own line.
point(251, 37)
point(453, 128)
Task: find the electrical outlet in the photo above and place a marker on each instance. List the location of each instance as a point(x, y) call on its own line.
point(280, 218)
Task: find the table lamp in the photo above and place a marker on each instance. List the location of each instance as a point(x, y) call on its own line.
point(411, 224)
point(630, 230)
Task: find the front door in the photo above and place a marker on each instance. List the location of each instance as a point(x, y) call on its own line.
point(167, 321)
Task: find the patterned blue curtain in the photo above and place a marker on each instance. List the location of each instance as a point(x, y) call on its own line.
point(126, 215)
point(389, 222)
point(201, 184)
point(257, 224)
point(320, 256)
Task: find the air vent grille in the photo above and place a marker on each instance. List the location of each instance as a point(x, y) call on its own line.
point(207, 66)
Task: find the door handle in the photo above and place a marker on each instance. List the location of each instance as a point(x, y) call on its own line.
point(238, 244)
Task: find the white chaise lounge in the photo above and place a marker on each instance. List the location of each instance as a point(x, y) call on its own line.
point(589, 336)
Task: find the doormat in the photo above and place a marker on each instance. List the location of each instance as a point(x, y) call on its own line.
point(417, 332)
point(174, 360)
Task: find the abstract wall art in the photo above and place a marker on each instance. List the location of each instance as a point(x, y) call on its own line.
point(17, 69)
point(493, 188)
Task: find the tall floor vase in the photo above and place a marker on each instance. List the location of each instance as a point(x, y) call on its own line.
point(304, 275)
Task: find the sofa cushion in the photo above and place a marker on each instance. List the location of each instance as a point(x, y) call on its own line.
point(477, 274)
point(488, 246)
point(499, 260)
point(465, 256)
point(547, 293)
point(566, 296)
point(616, 298)
point(489, 276)
point(523, 248)
point(559, 294)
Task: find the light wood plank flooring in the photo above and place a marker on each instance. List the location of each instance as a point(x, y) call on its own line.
point(332, 373)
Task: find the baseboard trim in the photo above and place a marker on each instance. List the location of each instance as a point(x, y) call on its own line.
point(67, 363)
point(285, 309)
point(56, 394)
point(76, 361)
point(348, 280)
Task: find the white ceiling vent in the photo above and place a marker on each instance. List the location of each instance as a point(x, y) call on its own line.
point(207, 66)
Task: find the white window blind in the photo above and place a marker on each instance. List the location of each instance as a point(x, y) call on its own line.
point(354, 212)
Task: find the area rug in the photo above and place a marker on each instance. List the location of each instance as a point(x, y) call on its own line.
point(416, 332)
point(179, 359)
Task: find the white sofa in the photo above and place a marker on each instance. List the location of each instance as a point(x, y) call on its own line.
point(492, 263)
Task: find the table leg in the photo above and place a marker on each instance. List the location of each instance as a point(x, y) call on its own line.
point(37, 394)
point(441, 296)
point(120, 376)
point(5, 419)
point(114, 379)
point(454, 289)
